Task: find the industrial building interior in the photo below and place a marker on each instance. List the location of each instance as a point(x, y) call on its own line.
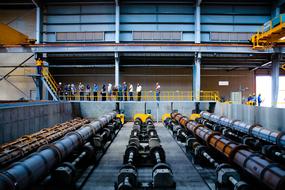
point(142, 94)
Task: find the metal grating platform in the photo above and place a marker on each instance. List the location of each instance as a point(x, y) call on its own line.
point(105, 174)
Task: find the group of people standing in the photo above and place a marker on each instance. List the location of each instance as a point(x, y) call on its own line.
point(121, 92)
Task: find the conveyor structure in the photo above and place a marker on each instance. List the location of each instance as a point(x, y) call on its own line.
point(256, 165)
point(24, 145)
point(105, 154)
point(25, 173)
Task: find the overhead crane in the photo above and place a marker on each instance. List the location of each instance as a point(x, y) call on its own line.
point(271, 33)
point(10, 36)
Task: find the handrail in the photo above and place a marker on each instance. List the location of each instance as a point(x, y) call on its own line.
point(50, 80)
point(145, 96)
point(264, 39)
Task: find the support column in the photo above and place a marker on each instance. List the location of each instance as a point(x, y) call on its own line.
point(117, 72)
point(117, 27)
point(197, 77)
point(275, 10)
point(38, 21)
point(275, 78)
point(198, 22)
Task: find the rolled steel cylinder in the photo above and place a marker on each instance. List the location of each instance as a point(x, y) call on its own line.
point(22, 174)
point(28, 143)
point(271, 174)
point(257, 131)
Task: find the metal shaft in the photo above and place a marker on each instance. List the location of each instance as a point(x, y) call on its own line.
point(30, 170)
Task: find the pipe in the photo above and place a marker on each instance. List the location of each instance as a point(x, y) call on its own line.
point(28, 143)
point(271, 174)
point(23, 174)
point(257, 131)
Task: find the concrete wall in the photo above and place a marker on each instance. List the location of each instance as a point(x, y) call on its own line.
point(96, 109)
point(23, 21)
point(22, 119)
point(272, 118)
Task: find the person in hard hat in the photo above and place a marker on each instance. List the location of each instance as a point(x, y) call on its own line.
point(95, 91)
point(81, 91)
point(139, 91)
point(109, 90)
point(157, 91)
point(125, 90)
point(60, 90)
point(39, 64)
point(131, 92)
point(259, 100)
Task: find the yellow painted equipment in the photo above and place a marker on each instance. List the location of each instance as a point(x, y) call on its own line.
point(165, 116)
point(194, 116)
point(250, 103)
point(10, 36)
point(272, 32)
point(142, 116)
point(122, 117)
point(283, 67)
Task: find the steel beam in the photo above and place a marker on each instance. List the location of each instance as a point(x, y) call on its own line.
point(178, 48)
point(134, 48)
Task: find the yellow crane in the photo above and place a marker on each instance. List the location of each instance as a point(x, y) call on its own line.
point(271, 33)
point(10, 36)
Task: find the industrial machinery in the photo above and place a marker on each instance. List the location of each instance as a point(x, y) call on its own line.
point(26, 144)
point(271, 33)
point(10, 36)
point(254, 164)
point(256, 130)
point(226, 176)
point(144, 150)
point(36, 166)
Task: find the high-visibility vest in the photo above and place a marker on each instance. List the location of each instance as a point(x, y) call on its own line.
point(39, 63)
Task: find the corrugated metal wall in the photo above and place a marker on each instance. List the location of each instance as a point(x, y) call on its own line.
point(144, 21)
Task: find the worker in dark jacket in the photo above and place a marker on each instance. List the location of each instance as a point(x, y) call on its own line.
point(95, 91)
point(125, 90)
point(259, 100)
point(103, 92)
point(120, 92)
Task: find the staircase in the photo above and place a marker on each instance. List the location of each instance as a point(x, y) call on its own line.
point(50, 83)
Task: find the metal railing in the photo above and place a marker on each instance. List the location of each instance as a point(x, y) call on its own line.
point(145, 96)
point(270, 32)
point(49, 79)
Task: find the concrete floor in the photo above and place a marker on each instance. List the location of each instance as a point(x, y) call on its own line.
point(185, 175)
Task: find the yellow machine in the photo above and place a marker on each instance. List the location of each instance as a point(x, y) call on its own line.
point(142, 116)
point(194, 116)
point(10, 36)
point(122, 117)
point(165, 116)
point(271, 32)
point(250, 103)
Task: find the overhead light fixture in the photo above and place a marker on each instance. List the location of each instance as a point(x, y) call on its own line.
point(283, 38)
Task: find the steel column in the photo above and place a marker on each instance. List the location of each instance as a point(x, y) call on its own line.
point(198, 22)
point(38, 22)
point(117, 27)
point(197, 77)
point(117, 72)
point(275, 78)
